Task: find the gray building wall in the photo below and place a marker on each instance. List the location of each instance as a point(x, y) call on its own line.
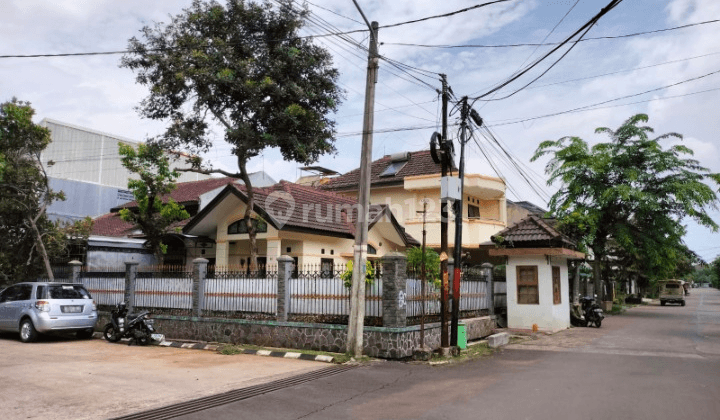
point(82, 154)
point(84, 199)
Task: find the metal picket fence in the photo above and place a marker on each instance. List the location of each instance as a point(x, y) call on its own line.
point(236, 289)
point(105, 284)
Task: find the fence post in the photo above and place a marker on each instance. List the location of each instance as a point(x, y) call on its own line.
point(130, 277)
point(285, 269)
point(487, 269)
point(198, 289)
point(394, 278)
point(75, 265)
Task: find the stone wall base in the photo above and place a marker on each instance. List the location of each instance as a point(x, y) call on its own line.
point(382, 342)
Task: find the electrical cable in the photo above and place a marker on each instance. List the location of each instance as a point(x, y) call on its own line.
point(583, 30)
point(597, 104)
point(302, 37)
point(553, 43)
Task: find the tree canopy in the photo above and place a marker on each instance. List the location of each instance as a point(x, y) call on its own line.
point(25, 229)
point(630, 194)
point(243, 67)
point(154, 216)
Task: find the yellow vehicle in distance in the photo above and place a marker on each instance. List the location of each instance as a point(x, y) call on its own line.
point(671, 291)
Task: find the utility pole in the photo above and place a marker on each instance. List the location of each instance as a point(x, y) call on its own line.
point(464, 113)
point(423, 279)
point(444, 224)
point(357, 299)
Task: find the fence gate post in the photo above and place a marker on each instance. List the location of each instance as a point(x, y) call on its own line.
point(487, 269)
point(394, 295)
point(130, 277)
point(75, 265)
point(285, 269)
point(198, 289)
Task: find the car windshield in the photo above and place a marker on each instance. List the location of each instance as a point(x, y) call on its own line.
point(67, 291)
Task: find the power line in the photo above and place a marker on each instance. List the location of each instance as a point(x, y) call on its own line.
point(623, 71)
point(299, 37)
point(551, 43)
point(544, 39)
point(582, 32)
point(594, 108)
point(467, 9)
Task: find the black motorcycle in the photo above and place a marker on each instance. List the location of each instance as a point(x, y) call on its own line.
point(137, 327)
point(588, 314)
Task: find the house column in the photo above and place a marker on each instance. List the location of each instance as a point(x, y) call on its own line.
point(273, 251)
point(394, 278)
point(222, 253)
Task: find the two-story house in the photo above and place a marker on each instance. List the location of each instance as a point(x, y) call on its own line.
point(405, 181)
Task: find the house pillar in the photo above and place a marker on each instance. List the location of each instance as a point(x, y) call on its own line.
point(285, 269)
point(222, 254)
point(199, 275)
point(487, 270)
point(76, 266)
point(394, 278)
point(130, 278)
point(273, 251)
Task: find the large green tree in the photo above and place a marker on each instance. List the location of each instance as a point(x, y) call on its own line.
point(156, 212)
point(25, 194)
point(240, 66)
point(630, 194)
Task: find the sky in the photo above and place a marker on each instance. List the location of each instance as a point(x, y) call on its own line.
point(94, 92)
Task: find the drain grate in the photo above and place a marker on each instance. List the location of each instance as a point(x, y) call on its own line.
point(204, 403)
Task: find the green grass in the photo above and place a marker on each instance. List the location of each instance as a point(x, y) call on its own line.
point(474, 352)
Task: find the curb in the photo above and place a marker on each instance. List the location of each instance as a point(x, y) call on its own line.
point(281, 354)
point(215, 347)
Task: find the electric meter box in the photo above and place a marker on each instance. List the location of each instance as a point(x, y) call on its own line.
point(450, 188)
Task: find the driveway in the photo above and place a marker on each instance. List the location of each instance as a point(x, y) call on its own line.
point(63, 378)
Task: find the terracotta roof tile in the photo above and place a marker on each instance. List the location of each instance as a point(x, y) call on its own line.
point(188, 192)
point(304, 207)
point(530, 231)
point(420, 163)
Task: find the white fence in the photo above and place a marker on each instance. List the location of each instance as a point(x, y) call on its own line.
point(164, 292)
point(241, 295)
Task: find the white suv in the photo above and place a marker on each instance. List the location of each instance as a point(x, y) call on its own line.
point(44, 307)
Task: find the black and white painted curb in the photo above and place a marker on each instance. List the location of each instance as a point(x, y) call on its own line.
point(283, 354)
point(215, 347)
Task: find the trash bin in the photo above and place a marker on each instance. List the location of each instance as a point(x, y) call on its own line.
point(462, 336)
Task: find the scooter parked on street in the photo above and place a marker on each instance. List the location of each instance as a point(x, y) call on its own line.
point(587, 313)
point(137, 327)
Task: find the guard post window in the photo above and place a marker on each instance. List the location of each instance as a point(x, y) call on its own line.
point(527, 285)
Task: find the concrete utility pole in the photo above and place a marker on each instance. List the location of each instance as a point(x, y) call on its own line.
point(464, 113)
point(444, 227)
point(357, 298)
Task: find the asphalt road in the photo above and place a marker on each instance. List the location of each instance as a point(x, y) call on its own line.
point(652, 362)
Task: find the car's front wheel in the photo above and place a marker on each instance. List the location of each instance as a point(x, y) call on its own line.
point(28, 333)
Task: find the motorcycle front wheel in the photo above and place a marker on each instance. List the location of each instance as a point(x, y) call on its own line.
point(110, 334)
point(598, 322)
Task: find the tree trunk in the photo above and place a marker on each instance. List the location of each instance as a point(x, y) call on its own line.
point(248, 212)
point(41, 249)
point(597, 277)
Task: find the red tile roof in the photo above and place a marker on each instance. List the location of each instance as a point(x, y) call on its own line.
point(533, 231)
point(189, 192)
point(111, 225)
point(420, 163)
point(290, 205)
